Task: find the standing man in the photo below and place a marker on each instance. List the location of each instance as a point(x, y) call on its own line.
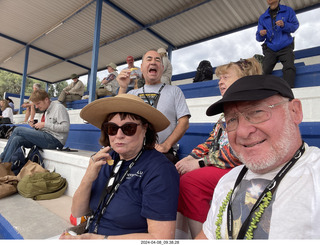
point(274, 28)
point(167, 99)
point(135, 73)
point(276, 194)
point(51, 132)
point(74, 91)
point(167, 66)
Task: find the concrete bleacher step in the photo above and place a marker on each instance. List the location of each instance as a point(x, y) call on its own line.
point(70, 165)
point(36, 219)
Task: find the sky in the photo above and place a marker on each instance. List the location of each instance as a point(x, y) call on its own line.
point(237, 45)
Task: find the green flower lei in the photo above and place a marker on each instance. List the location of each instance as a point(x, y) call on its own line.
point(253, 225)
point(221, 210)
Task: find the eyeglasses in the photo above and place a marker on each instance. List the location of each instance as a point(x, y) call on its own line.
point(128, 129)
point(113, 176)
point(254, 115)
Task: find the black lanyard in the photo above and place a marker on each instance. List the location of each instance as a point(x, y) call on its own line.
point(272, 186)
point(155, 98)
point(101, 209)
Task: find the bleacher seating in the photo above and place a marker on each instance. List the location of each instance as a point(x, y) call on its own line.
point(84, 137)
point(199, 96)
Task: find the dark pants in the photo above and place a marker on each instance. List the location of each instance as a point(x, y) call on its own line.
point(286, 57)
point(172, 156)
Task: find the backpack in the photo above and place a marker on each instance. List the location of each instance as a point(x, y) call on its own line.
point(35, 156)
point(19, 158)
point(9, 132)
point(3, 131)
point(204, 71)
point(42, 186)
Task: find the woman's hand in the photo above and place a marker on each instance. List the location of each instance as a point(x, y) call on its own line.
point(96, 162)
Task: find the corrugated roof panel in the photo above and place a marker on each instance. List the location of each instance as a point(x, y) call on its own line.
point(59, 72)
point(149, 11)
point(27, 20)
point(39, 61)
point(16, 62)
point(117, 52)
point(8, 49)
point(115, 25)
point(72, 36)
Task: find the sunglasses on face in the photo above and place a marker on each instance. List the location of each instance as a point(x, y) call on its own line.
point(129, 129)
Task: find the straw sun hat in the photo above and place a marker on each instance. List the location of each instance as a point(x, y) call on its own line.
point(97, 111)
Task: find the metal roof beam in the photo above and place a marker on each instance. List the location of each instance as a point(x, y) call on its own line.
point(42, 51)
point(147, 28)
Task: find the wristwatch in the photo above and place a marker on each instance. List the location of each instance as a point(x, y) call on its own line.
point(201, 163)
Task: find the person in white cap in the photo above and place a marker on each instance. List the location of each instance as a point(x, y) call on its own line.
point(109, 84)
point(167, 67)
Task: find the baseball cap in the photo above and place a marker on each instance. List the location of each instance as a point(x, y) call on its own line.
point(250, 88)
point(130, 59)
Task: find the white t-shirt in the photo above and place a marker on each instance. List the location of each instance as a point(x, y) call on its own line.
point(8, 113)
point(171, 102)
point(293, 213)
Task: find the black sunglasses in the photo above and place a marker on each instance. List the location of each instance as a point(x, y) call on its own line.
point(128, 129)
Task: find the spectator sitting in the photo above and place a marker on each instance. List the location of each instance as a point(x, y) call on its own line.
point(31, 110)
point(167, 67)
point(74, 91)
point(7, 113)
point(52, 131)
point(145, 204)
point(109, 84)
point(166, 98)
point(11, 103)
point(135, 73)
point(208, 162)
point(276, 194)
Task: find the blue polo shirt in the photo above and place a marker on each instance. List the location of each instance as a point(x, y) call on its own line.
point(150, 191)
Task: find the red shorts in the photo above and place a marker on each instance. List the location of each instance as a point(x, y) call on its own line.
point(196, 190)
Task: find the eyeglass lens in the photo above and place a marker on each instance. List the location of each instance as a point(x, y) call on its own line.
point(128, 129)
point(255, 115)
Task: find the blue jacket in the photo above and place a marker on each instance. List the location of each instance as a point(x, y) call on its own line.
point(278, 37)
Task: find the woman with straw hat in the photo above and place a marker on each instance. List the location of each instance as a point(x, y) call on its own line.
point(130, 188)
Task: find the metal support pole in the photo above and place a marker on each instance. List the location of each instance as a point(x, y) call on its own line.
point(24, 78)
point(95, 52)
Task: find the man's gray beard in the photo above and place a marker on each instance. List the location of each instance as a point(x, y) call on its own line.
point(276, 152)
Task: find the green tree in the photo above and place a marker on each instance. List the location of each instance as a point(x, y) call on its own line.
point(55, 89)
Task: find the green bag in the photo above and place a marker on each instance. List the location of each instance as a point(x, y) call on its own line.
point(42, 186)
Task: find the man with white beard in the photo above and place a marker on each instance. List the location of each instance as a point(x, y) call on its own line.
point(276, 194)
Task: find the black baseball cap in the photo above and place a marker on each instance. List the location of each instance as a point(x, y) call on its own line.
point(250, 88)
